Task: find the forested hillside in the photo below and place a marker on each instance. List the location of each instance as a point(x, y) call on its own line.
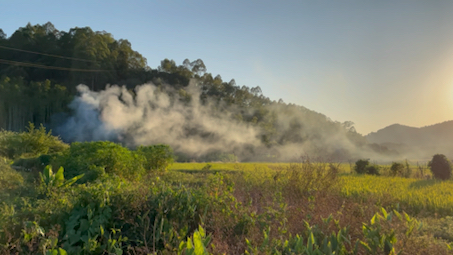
point(41, 67)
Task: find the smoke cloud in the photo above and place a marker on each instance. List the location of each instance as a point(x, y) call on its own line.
point(151, 115)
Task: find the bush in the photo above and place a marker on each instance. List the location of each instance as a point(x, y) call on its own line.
point(397, 169)
point(440, 167)
point(157, 157)
point(9, 178)
point(33, 142)
point(96, 158)
point(372, 170)
point(361, 165)
point(34, 164)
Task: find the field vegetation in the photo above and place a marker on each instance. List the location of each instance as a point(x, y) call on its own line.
point(103, 198)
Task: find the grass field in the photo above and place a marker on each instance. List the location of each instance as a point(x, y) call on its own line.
point(419, 196)
point(244, 208)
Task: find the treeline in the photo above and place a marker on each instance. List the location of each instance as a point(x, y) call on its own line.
point(41, 66)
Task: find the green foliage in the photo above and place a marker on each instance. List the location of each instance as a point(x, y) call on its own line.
point(34, 164)
point(34, 95)
point(407, 171)
point(397, 169)
point(195, 245)
point(441, 228)
point(32, 143)
point(372, 170)
point(361, 165)
point(164, 214)
point(9, 179)
point(315, 243)
point(380, 238)
point(440, 167)
point(207, 167)
point(157, 157)
point(36, 141)
point(96, 158)
point(49, 180)
point(84, 229)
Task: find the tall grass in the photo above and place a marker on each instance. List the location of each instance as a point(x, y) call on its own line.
point(415, 195)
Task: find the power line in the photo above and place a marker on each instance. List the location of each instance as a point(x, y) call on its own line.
point(45, 54)
point(10, 62)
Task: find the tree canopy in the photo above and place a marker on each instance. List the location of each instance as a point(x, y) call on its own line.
point(41, 66)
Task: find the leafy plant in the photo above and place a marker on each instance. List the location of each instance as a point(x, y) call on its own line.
point(33, 142)
point(207, 167)
point(372, 170)
point(361, 165)
point(96, 158)
point(440, 167)
point(157, 157)
point(51, 180)
point(195, 245)
point(380, 237)
point(396, 169)
point(314, 243)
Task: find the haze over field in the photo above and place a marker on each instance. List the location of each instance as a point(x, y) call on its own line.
point(196, 129)
point(416, 143)
point(373, 63)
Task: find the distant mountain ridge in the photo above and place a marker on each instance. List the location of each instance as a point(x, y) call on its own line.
point(437, 138)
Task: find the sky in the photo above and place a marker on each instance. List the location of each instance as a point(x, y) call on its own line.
point(374, 63)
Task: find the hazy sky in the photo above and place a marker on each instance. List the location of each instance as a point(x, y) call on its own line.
point(375, 63)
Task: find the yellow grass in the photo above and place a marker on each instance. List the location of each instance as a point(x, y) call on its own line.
point(253, 166)
point(415, 194)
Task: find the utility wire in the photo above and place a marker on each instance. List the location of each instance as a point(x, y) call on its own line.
point(10, 62)
point(45, 54)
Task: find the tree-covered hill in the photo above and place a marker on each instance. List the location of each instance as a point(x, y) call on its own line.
point(41, 67)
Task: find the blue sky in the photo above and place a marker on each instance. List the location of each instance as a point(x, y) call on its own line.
point(375, 63)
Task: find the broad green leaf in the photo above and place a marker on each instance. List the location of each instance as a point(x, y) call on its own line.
point(384, 212)
point(72, 180)
point(59, 176)
point(366, 246)
point(62, 251)
point(198, 243)
point(373, 220)
point(52, 252)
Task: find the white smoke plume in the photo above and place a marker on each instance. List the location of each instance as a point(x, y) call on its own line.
point(152, 117)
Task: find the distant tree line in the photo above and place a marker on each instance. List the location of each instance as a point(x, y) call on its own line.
point(41, 66)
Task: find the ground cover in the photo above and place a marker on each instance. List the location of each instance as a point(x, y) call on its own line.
point(133, 202)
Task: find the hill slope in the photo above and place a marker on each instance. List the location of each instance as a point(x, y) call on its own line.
point(412, 141)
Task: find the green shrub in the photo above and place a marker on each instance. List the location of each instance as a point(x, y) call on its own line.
point(372, 170)
point(50, 180)
point(35, 164)
point(361, 165)
point(9, 178)
point(207, 167)
point(440, 167)
point(9, 144)
point(157, 157)
point(96, 158)
point(33, 142)
point(397, 169)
